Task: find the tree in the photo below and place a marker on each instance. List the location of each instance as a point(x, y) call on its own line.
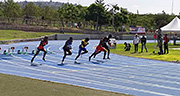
point(133, 19)
point(61, 16)
point(121, 18)
point(100, 2)
point(49, 13)
point(31, 10)
point(112, 11)
point(162, 19)
point(82, 14)
point(145, 21)
point(98, 14)
point(11, 10)
point(68, 12)
point(1, 9)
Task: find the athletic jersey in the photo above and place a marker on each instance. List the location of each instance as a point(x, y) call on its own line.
point(166, 39)
point(100, 44)
point(68, 44)
point(99, 47)
point(83, 42)
point(42, 44)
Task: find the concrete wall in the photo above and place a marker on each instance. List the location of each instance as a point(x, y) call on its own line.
point(66, 36)
point(131, 37)
point(76, 37)
point(79, 37)
point(96, 36)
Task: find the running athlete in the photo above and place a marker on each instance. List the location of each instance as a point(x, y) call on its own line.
point(84, 43)
point(67, 48)
point(104, 44)
point(99, 48)
point(44, 42)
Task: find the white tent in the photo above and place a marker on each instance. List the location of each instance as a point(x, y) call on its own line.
point(173, 26)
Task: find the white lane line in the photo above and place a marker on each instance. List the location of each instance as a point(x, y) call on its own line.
point(158, 85)
point(155, 74)
point(150, 76)
point(87, 74)
point(144, 78)
point(95, 82)
point(155, 68)
point(119, 79)
point(64, 69)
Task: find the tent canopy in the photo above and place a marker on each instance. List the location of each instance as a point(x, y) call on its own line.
point(173, 26)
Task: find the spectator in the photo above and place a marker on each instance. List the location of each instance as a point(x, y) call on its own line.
point(174, 38)
point(159, 36)
point(135, 43)
point(166, 40)
point(160, 46)
point(143, 43)
point(127, 46)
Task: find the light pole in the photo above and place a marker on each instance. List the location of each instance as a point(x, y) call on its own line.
point(172, 6)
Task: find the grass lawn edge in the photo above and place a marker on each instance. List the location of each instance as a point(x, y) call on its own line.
point(24, 79)
point(122, 53)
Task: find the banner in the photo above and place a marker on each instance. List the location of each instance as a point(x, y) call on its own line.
point(135, 29)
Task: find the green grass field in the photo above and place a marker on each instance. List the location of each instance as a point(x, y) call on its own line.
point(21, 86)
point(15, 34)
point(172, 56)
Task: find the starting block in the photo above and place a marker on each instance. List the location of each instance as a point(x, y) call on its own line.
point(12, 48)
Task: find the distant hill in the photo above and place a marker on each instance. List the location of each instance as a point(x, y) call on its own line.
point(42, 4)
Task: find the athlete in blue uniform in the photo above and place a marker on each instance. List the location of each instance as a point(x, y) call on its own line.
point(82, 46)
point(67, 48)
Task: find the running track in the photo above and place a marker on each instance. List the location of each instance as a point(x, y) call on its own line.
point(121, 74)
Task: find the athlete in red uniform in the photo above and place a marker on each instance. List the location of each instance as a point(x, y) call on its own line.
point(99, 48)
point(41, 48)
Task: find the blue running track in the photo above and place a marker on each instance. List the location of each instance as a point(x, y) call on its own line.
point(141, 77)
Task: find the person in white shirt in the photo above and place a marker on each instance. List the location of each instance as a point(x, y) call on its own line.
point(136, 42)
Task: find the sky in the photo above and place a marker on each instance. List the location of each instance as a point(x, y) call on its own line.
point(143, 6)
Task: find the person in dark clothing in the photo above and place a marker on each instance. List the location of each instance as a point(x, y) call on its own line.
point(166, 40)
point(67, 48)
point(143, 43)
point(174, 39)
point(127, 46)
point(160, 46)
point(159, 36)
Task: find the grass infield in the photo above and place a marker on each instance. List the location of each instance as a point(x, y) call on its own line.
point(20, 86)
point(15, 34)
point(174, 52)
